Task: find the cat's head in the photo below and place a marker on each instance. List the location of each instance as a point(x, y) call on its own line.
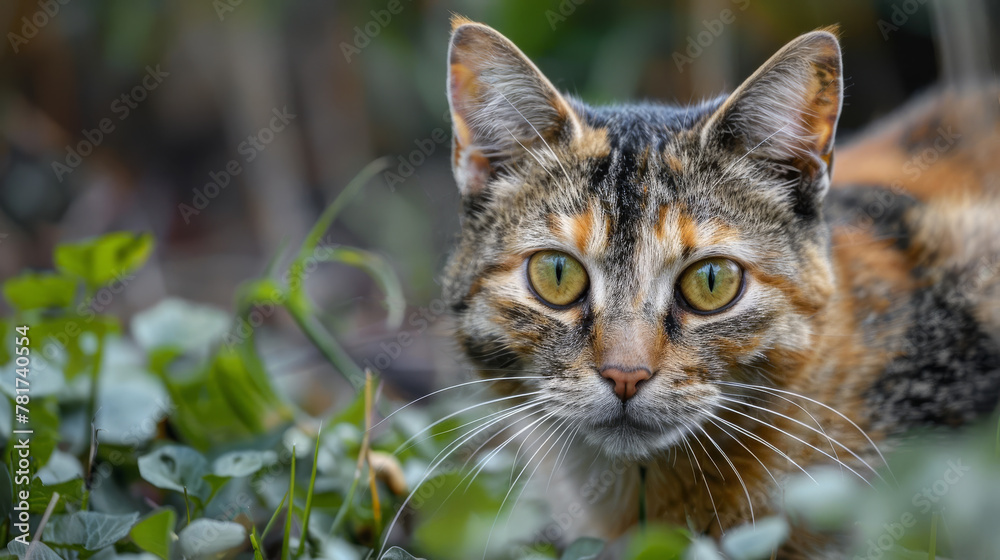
point(629, 258)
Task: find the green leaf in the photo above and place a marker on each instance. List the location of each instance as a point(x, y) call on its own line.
point(215, 482)
point(152, 534)
point(70, 491)
point(753, 542)
point(176, 467)
point(180, 324)
point(132, 403)
point(255, 544)
point(261, 290)
point(100, 260)
point(66, 335)
point(61, 467)
point(658, 544)
point(584, 548)
point(396, 553)
point(43, 290)
point(40, 552)
point(230, 399)
point(206, 538)
point(89, 529)
point(243, 463)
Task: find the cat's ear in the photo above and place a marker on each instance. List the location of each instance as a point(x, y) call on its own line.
point(786, 112)
point(501, 105)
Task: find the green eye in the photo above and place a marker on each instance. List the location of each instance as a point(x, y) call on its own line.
point(557, 278)
point(711, 284)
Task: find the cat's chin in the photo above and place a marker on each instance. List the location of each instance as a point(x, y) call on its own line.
point(633, 440)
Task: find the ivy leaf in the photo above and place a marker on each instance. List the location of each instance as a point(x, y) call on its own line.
point(152, 534)
point(40, 552)
point(40, 290)
point(182, 325)
point(131, 407)
point(396, 553)
point(100, 260)
point(70, 491)
point(584, 548)
point(176, 467)
point(749, 542)
point(89, 529)
point(61, 467)
point(206, 538)
point(243, 463)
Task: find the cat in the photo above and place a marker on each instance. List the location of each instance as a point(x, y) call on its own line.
point(687, 290)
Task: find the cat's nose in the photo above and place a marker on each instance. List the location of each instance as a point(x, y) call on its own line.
point(626, 379)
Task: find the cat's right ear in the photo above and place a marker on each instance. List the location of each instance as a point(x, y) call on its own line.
point(501, 105)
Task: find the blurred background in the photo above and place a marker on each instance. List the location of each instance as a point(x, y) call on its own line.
point(224, 127)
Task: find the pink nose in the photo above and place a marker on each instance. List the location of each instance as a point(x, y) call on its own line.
point(626, 379)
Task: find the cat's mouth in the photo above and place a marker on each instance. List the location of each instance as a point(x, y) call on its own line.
point(632, 434)
point(627, 421)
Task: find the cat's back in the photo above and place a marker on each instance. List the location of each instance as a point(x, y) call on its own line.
point(915, 212)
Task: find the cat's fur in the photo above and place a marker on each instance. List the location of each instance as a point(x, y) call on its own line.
point(870, 308)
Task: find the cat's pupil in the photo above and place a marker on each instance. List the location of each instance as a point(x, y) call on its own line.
point(711, 277)
point(559, 270)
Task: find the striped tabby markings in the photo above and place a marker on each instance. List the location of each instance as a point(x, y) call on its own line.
point(586, 231)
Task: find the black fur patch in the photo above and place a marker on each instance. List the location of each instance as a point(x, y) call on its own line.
point(948, 372)
point(872, 207)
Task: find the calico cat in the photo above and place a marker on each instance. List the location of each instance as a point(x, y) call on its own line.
point(684, 289)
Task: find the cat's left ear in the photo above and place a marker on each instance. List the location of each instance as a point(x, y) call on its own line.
point(786, 112)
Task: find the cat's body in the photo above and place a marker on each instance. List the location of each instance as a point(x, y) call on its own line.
point(861, 311)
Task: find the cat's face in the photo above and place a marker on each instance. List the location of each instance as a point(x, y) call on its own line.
point(629, 258)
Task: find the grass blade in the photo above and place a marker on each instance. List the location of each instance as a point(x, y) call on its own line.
point(309, 497)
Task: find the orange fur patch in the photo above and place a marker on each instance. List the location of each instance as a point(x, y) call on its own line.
point(591, 143)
